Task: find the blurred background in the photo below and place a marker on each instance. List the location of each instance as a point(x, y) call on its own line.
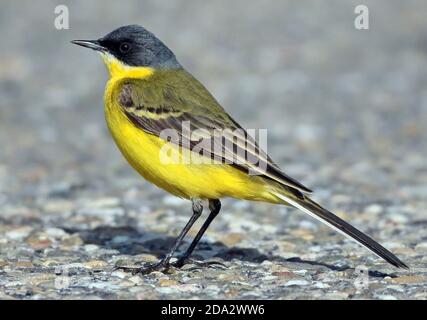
point(345, 109)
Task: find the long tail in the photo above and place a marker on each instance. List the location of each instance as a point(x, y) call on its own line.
point(310, 207)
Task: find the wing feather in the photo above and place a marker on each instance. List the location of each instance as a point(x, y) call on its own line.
point(180, 99)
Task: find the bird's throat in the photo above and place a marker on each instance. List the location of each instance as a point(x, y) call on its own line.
point(119, 70)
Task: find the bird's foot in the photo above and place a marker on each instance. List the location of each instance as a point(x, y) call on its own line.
point(162, 266)
point(198, 264)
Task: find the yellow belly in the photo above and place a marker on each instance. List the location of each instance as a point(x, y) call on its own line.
point(145, 153)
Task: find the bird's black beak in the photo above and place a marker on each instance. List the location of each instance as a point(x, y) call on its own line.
point(91, 44)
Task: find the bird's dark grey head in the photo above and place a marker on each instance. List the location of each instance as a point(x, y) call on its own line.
point(134, 46)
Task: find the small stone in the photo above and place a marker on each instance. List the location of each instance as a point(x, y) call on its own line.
point(24, 264)
point(158, 274)
point(269, 278)
point(96, 264)
point(398, 218)
point(58, 206)
point(167, 283)
point(422, 246)
point(229, 277)
point(405, 251)
point(396, 288)
point(40, 279)
point(48, 262)
point(104, 203)
point(71, 242)
point(190, 287)
point(321, 285)
point(165, 290)
point(119, 274)
point(303, 234)
point(90, 248)
point(55, 233)
point(39, 242)
point(301, 272)
point(284, 274)
point(296, 283)
point(374, 209)
point(408, 279)
point(18, 233)
point(137, 280)
point(147, 258)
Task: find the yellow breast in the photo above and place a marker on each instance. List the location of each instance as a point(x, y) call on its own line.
point(183, 178)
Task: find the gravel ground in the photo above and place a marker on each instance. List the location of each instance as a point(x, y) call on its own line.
point(346, 113)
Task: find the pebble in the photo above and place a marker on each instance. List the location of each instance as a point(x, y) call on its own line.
point(398, 218)
point(91, 248)
point(39, 241)
point(301, 272)
point(269, 277)
point(96, 264)
point(71, 242)
point(104, 203)
point(188, 288)
point(39, 279)
point(119, 274)
point(55, 233)
point(58, 206)
point(24, 264)
point(296, 283)
point(422, 246)
point(374, 209)
point(408, 279)
point(303, 234)
point(321, 285)
point(18, 233)
point(166, 290)
point(136, 280)
point(167, 283)
point(3, 263)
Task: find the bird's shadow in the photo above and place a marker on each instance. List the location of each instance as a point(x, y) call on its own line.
point(129, 241)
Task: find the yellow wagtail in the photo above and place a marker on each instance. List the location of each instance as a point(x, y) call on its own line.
point(148, 93)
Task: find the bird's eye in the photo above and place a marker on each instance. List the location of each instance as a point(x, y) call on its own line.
point(125, 47)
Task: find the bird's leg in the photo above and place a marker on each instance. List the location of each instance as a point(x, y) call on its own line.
point(164, 263)
point(214, 207)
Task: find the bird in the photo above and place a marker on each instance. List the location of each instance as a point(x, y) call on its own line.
point(176, 135)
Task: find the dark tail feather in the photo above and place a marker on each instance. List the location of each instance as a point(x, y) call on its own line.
point(315, 210)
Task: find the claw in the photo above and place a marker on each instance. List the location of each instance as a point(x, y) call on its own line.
point(164, 266)
point(161, 266)
point(200, 264)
